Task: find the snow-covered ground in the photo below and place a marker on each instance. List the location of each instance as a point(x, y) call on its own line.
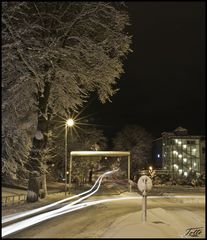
point(161, 223)
point(166, 218)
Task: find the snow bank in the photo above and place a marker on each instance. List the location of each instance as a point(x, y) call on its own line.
point(160, 224)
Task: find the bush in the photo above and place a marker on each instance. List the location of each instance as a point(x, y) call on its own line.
point(33, 187)
point(31, 196)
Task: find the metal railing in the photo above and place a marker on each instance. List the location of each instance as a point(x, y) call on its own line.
point(157, 172)
point(14, 199)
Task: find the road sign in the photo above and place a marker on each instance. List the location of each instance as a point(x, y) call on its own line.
point(144, 184)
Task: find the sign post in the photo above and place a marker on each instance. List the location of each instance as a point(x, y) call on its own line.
point(144, 185)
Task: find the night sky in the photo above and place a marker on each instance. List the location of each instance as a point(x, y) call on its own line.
point(163, 86)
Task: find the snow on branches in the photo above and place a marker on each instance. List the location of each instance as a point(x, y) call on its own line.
point(56, 53)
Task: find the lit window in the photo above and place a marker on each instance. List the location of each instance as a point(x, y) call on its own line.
point(180, 171)
point(184, 159)
point(194, 164)
point(194, 149)
point(180, 155)
point(175, 166)
point(176, 140)
point(190, 168)
point(185, 174)
point(184, 146)
point(175, 152)
point(179, 142)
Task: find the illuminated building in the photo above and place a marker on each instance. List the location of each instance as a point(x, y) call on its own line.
point(179, 153)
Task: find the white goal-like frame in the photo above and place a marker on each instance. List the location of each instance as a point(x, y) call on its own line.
point(99, 153)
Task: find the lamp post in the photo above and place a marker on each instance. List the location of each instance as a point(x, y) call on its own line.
point(69, 123)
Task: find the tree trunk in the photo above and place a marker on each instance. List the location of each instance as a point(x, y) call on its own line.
point(90, 176)
point(33, 187)
point(44, 184)
point(40, 139)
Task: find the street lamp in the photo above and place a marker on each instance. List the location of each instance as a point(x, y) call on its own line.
point(69, 123)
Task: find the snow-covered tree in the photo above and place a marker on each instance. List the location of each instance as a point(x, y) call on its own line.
point(55, 54)
point(138, 141)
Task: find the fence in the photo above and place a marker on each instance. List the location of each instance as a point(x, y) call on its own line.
point(12, 200)
point(157, 172)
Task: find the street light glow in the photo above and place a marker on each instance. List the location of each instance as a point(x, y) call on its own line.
point(70, 122)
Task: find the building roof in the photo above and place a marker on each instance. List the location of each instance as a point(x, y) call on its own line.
point(180, 129)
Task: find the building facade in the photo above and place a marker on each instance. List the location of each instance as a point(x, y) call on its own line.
point(180, 153)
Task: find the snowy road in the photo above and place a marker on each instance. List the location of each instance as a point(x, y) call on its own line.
point(95, 220)
point(40, 217)
point(127, 202)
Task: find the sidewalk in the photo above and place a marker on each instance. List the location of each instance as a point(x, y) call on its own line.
point(160, 224)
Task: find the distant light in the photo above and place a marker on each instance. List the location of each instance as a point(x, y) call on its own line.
point(184, 146)
point(194, 149)
point(67, 172)
point(180, 155)
point(194, 164)
point(184, 159)
point(175, 152)
point(53, 165)
point(105, 158)
point(176, 140)
point(70, 122)
point(175, 166)
point(180, 171)
point(158, 155)
point(150, 168)
point(185, 174)
point(190, 168)
point(179, 142)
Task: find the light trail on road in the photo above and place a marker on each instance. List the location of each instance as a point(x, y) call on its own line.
point(13, 217)
point(45, 216)
point(67, 209)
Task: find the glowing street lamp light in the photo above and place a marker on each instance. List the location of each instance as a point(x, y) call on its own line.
point(69, 123)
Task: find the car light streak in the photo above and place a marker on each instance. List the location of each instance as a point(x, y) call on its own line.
point(46, 216)
point(40, 218)
point(27, 213)
point(13, 217)
point(81, 199)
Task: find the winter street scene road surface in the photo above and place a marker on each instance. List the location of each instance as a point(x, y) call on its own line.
point(116, 215)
